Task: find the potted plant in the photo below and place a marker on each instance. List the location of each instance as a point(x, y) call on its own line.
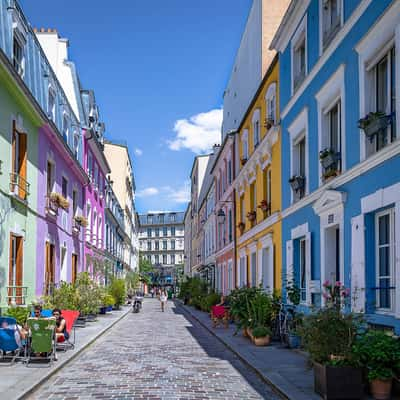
point(297, 182)
point(252, 216)
point(265, 206)
point(379, 353)
point(241, 226)
point(374, 123)
point(328, 158)
point(329, 174)
point(59, 200)
point(81, 220)
point(117, 289)
point(262, 335)
point(269, 122)
point(243, 161)
point(109, 302)
point(328, 335)
point(294, 321)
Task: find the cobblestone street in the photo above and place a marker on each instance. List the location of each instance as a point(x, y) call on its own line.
point(155, 355)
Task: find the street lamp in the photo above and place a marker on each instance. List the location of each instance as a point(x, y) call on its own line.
point(221, 216)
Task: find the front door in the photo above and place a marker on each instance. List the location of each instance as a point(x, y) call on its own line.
point(74, 271)
point(332, 254)
point(15, 290)
point(50, 267)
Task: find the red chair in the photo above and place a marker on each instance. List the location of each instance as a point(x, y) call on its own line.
point(219, 314)
point(70, 317)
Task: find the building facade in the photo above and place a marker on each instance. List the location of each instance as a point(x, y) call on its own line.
point(161, 238)
point(340, 186)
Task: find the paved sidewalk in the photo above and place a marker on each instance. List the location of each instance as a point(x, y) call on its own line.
point(18, 380)
point(285, 369)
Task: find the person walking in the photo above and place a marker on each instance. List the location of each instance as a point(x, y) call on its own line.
point(163, 299)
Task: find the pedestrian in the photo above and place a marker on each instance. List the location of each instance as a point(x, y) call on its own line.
point(163, 299)
point(152, 292)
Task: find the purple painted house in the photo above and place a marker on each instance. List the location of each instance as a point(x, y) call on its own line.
point(97, 168)
point(60, 232)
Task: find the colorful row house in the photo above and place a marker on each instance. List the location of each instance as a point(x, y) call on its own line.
point(340, 152)
point(53, 171)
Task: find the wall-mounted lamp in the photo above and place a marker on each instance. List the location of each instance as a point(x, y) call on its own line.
point(221, 216)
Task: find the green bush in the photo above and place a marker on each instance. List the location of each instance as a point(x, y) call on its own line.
point(194, 290)
point(117, 289)
point(65, 297)
point(261, 331)
point(19, 313)
point(260, 310)
point(88, 300)
point(379, 353)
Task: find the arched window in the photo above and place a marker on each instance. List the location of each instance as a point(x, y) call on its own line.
point(270, 100)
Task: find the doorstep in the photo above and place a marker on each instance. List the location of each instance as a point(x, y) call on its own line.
point(286, 370)
point(18, 381)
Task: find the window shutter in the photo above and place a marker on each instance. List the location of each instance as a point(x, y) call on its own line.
point(308, 267)
point(357, 264)
point(22, 165)
point(271, 269)
point(289, 264)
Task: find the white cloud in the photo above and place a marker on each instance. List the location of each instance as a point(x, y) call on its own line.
point(198, 133)
point(150, 191)
point(180, 194)
point(138, 152)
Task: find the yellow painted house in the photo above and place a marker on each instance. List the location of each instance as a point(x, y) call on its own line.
point(258, 189)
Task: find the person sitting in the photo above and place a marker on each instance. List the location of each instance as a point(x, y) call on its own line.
point(20, 333)
point(37, 311)
point(61, 326)
point(223, 302)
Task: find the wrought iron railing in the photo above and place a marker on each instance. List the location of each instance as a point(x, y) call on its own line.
point(51, 206)
point(19, 186)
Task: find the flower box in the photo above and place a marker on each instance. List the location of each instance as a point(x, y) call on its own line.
point(297, 182)
point(59, 200)
point(265, 206)
point(269, 123)
point(241, 226)
point(243, 161)
point(329, 158)
point(81, 221)
point(374, 123)
point(338, 382)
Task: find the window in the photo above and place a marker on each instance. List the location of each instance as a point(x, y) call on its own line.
point(149, 245)
point(148, 232)
point(76, 144)
point(164, 245)
point(172, 258)
point(253, 197)
point(165, 231)
point(270, 102)
point(299, 56)
point(230, 226)
point(74, 201)
point(299, 168)
point(242, 210)
point(149, 219)
point(302, 270)
point(157, 245)
point(385, 260)
point(331, 20)
point(161, 218)
point(164, 259)
point(229, 171)
point(18, 55)
point(19, 185)
point(51, 106)
point(65, 128)
point(172, 231)
point(172, 244)
point(256, 127)
point(268, 188)
point(157, 259)
point(94, 232)
point(334, 130)
point(90, 165)
point(157, 232)
point(173, 217)
point(245, 145)
point(50, 177)
point(64, 187)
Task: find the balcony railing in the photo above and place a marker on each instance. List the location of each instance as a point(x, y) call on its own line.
point(19, 186)
point(51, 207)
point(17, 295)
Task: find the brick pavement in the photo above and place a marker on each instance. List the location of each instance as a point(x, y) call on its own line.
point(155, 355)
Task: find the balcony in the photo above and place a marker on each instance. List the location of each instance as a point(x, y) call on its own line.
point(19, 187)
point(51, 207)
point(16, 295)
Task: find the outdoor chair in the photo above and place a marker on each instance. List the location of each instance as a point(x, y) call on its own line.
point(219, 314)
point(42, 340)
point(10, 346)
point(70, 317)
point(43, 314)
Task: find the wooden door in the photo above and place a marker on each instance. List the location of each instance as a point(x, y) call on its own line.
point(74, 268)
point(23, 189)
point(15, 273)
point(49, 269)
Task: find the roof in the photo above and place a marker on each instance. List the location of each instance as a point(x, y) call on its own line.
point(154, 218)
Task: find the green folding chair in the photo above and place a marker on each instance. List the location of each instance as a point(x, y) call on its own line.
point(42, 340)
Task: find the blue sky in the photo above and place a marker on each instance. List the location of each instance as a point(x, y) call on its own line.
point(158, 69)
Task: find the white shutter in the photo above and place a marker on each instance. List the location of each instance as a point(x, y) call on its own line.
point(308, 267)
point(357, 264)
point(397, 256)
point(289, 265)
point(271, 269)
point(260, 268)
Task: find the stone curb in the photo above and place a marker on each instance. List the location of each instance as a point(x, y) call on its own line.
point(66, 361)
point(277, 389)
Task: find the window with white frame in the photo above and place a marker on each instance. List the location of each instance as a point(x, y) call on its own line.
point(302, 270)
point(76, 144)
point(19, 54)
point(385, 259)
point(299, 167)
point(245, 145)
point(270, 102)
point(256, 127)
point(299, 55)
point(65, 127)
point(51, 105)
point(331, 20)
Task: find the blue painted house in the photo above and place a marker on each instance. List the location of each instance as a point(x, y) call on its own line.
point(339, 61)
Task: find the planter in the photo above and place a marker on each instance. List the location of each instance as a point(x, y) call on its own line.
point(294, 341)
point(330, 160)
point(377, 125)
point(381, 388)
point(252, 216)
point(245, 334)
point(338, 383)
point(250, 334)
point(297, 183)
point(102, 310)
point(262, 341)
point(109, 308)
point(243, 161)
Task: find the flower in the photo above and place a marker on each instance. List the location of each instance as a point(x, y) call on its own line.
point(326, 284)
point(338, 284)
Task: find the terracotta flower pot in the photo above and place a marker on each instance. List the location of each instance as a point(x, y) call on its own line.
point(245, 334)
point(381, 388)
point(250, 334)
point(262, 341)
